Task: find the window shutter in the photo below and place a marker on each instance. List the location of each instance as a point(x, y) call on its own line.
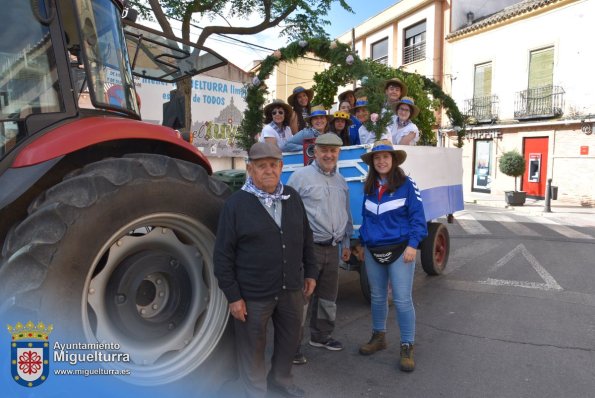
point(541, 68)
point(483, 80)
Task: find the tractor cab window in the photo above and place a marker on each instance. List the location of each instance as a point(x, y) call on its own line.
point(108, 73)
point(28, 75)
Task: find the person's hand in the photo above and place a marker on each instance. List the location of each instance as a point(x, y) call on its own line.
point(358, 252)
point(346, 254)
point(409, 254)
point(238, 310)
point(309, 285)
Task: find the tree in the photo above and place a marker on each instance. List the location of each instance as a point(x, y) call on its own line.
point(512, 164)
point(301, 19)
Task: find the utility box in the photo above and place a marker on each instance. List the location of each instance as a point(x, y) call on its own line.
point(232, 177)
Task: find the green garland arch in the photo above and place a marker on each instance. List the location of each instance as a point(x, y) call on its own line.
point(345, 68)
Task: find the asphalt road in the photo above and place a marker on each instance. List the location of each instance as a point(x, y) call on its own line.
point(513, 316)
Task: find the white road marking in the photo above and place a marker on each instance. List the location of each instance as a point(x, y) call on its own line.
point(550, 282)
point(471, 225)
point(563, 229)
point(513, 225)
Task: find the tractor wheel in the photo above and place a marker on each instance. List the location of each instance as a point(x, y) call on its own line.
point(435, 249)
point(122, 252)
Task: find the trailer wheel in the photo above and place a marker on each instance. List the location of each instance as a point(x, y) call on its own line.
point(122, 251)
point(364, 283)
point(435, 249)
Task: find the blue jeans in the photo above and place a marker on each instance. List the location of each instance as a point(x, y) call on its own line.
point(400, 275)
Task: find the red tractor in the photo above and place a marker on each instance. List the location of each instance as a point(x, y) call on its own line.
point(107, 223)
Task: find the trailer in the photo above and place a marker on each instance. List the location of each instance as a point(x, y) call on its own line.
point(438, 173)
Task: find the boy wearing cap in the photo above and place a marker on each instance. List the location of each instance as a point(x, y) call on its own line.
point(326, 199)
point(263, 241)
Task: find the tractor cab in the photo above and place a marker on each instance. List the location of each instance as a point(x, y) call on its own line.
point(66, 59)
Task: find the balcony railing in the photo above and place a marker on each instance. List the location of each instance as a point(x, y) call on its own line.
point(414, 52)
point(540, 102)
point(482, 109)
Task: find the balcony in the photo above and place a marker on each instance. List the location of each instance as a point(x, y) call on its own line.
point(481, 109)
point(539, 103)
point(414, 52)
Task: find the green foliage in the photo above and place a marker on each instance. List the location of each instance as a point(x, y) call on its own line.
point(300, 18)
point(427, 94)
point(512, 163)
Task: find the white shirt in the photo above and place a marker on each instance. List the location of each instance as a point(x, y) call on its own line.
point(369, 137)
point(397, 133)
point(270, 132)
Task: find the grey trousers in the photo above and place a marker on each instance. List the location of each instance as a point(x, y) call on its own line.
point(323, 303)
point(285, 310)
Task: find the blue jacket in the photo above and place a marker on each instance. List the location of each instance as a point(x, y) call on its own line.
point(354, 131)
point(296, 143)
point(397, 217)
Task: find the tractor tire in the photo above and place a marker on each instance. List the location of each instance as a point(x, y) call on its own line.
point(121, 251)
point(435, 249)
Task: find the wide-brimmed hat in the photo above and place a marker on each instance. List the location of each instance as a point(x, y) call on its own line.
point(262, 150)
point(407, 101)
point(277, 103)
point(360, 103)
point(399, 83)
point(384, 146)
point(342, 115)
point(317, 110)
point(299, 89)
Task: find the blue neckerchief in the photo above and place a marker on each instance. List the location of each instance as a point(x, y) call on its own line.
point(268, 198)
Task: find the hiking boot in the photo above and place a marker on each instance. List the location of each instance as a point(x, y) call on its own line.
point(330, 344)
point(407, 363)
point(299, 359)
point(376, 343)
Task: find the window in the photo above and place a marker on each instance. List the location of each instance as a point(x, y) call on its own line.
point(380, 51)
point(482, 92)
point(541, 78)
point(415, 43)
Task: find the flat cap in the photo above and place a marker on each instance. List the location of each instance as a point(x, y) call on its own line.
point(331, 139)
point(262, 150)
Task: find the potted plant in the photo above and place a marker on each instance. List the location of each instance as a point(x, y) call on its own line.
point(512, 164)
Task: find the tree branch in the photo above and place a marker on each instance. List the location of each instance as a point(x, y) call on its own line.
point(160, 16)
point(264, 25)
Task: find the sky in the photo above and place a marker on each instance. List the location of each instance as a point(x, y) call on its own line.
point(342, 21)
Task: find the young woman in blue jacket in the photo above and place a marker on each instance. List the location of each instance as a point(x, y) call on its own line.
point(393, 226)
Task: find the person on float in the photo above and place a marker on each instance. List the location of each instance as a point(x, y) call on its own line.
point(403, 131)
point(301, 102)
point(339, 125)
point(276, 118)
point(319, 120)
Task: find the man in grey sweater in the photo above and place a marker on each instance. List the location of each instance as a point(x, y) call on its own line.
point(326, 198)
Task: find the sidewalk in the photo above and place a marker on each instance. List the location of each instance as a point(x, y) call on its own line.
point(534, 207)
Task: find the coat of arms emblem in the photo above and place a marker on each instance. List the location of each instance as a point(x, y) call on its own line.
point(30, 353)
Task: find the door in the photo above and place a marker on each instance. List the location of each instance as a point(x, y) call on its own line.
point(535, 154)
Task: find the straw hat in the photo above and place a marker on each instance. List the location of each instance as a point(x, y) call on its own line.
point(384, 146)
point(299, 89)
point(399, 83)
point(359, 103)
point(407, 101)
point(277, 103)
point(317, 110)
point(342, 115)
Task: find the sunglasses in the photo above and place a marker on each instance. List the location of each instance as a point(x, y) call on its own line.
point(277, 113)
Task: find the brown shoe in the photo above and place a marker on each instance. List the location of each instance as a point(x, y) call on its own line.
point(407, 363)
point(376, 343)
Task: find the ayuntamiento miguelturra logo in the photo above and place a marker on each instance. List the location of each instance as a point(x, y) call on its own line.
point(30, 353)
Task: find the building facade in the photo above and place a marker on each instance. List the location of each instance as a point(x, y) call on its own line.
point(522, 77)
